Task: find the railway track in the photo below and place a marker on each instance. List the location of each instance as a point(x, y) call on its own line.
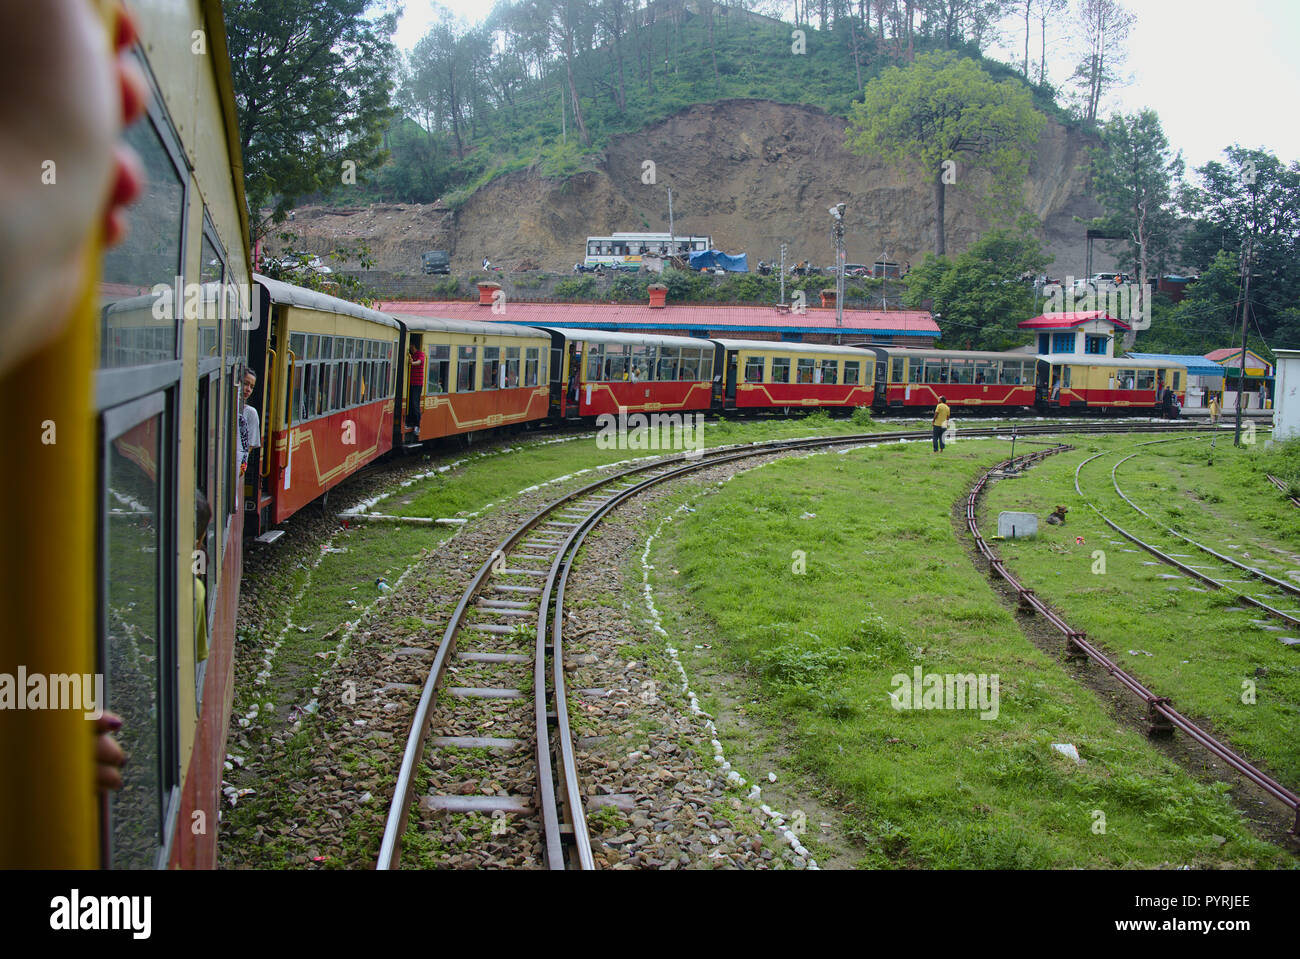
point(1162, 715)
point(518, 594)
point(1282, 487)
point(1272, 593)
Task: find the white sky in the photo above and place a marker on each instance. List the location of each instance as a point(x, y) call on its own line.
point(1217, 73)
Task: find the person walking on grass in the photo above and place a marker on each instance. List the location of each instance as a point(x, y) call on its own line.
point(941, 414)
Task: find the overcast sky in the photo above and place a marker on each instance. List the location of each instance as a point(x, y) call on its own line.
point(1217, 73)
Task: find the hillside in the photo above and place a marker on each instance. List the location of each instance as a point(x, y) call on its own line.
point(750, 173)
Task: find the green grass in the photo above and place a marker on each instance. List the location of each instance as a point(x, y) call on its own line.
point(1200, 653)
point(486, 480)
point(887, 587)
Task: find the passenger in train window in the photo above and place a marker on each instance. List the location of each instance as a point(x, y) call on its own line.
point(202, 517)
point(109, 757)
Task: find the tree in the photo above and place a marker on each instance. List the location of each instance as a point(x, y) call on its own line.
point(1253, 195)
point(980, 297)
point(312, 81)
point(1133, 172)
point(1047, 9)
point(1105, 25)
point(943, 107)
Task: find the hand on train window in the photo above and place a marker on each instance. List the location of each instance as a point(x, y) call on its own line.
point(109, 757)
point(64, 174)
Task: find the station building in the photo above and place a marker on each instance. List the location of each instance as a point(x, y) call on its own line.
point(1089, 333)
point(1204, 376)
point(1258, 382)
point(815, 324)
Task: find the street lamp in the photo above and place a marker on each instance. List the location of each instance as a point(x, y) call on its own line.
point(837, 214)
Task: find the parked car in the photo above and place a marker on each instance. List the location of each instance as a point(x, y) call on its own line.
point(856, 269)
point(436, 261)
point(1099, 282)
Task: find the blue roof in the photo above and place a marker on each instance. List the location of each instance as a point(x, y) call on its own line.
point(731, 328)
point(1196, 365)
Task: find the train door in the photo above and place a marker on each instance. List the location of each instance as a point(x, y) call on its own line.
point(1042, 383)
point(266, 349)
point(733, 370)
point(573, 373)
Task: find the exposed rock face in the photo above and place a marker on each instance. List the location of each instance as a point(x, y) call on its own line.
point(749, 173)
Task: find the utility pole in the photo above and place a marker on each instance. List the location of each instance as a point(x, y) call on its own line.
point(837, 215)
point(1245, 311)
point(783, 274)
point(672, 237)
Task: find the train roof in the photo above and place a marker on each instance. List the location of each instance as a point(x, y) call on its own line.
point(958, 354)
point(303, 298)
point(786, 346)
point(629, 339)
point(442, 324)
point(1119, 362)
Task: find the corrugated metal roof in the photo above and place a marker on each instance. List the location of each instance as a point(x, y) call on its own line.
point(1196, 365)
point(1063, 321)
point(684, 317)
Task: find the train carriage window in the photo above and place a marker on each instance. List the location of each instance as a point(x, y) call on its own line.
point(148, 258)
point(1009, 373)
point(690, 365)
point(754, 368)
point(706, 364)
point(530, 366)
point(897, 365)
point(936, 371)
point(960, 371)
point(804, 370)
point(986, 371)
point(136, 649)
point(511, 367)
point(1175, 378)
point(466, 361)
point(643, 363)
point(780, 369)
point(595, 362)
point(916, 371)
point(1146, 380)
point(851, 371)
point(830, 370)
point(491, 367)
point(439, 364)
point(616, 359)
point(669, 357)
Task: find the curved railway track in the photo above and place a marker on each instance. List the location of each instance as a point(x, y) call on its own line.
point(505, 593)
point(1163, 717)
point(1266, 603)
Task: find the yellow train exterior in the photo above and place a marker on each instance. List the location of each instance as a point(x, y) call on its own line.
point(114, 578)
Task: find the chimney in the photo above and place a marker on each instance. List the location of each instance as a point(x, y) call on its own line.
point(658, 296)
point(828, 299)
point(486, 290)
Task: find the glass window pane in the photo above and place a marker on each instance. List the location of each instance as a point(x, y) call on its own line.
point(780, 369)
point(149, 255)
point(851, 368)
point(133, 643)
point(754, 369)
point(830, 371)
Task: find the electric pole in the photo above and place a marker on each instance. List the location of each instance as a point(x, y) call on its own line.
point(1245, 311)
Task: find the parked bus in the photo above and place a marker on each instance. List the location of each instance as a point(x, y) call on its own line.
point(623, 251)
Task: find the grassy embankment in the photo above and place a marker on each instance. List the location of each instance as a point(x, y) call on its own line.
point(1190, 645)
point(889, 586)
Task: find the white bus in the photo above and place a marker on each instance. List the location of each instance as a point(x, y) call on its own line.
point(623, 251)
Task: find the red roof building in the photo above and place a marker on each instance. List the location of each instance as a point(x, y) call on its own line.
point(1090, 333)
point(813, 325)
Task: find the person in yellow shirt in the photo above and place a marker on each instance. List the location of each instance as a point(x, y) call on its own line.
point(1214, 408)
point(941, 414)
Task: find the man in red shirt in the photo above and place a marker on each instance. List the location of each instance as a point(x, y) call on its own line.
point(417, 387)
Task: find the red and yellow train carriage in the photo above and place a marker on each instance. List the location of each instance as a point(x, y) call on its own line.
point(478, 376)
point(910, 378)
point(328, 368)
point(597, 371)
point(1107, 383)
point(766, 374)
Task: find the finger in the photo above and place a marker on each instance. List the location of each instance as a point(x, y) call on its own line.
point(107, 777)
point(108, 723)
point(126, 31)
point(135, 91)
point(108, 752)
